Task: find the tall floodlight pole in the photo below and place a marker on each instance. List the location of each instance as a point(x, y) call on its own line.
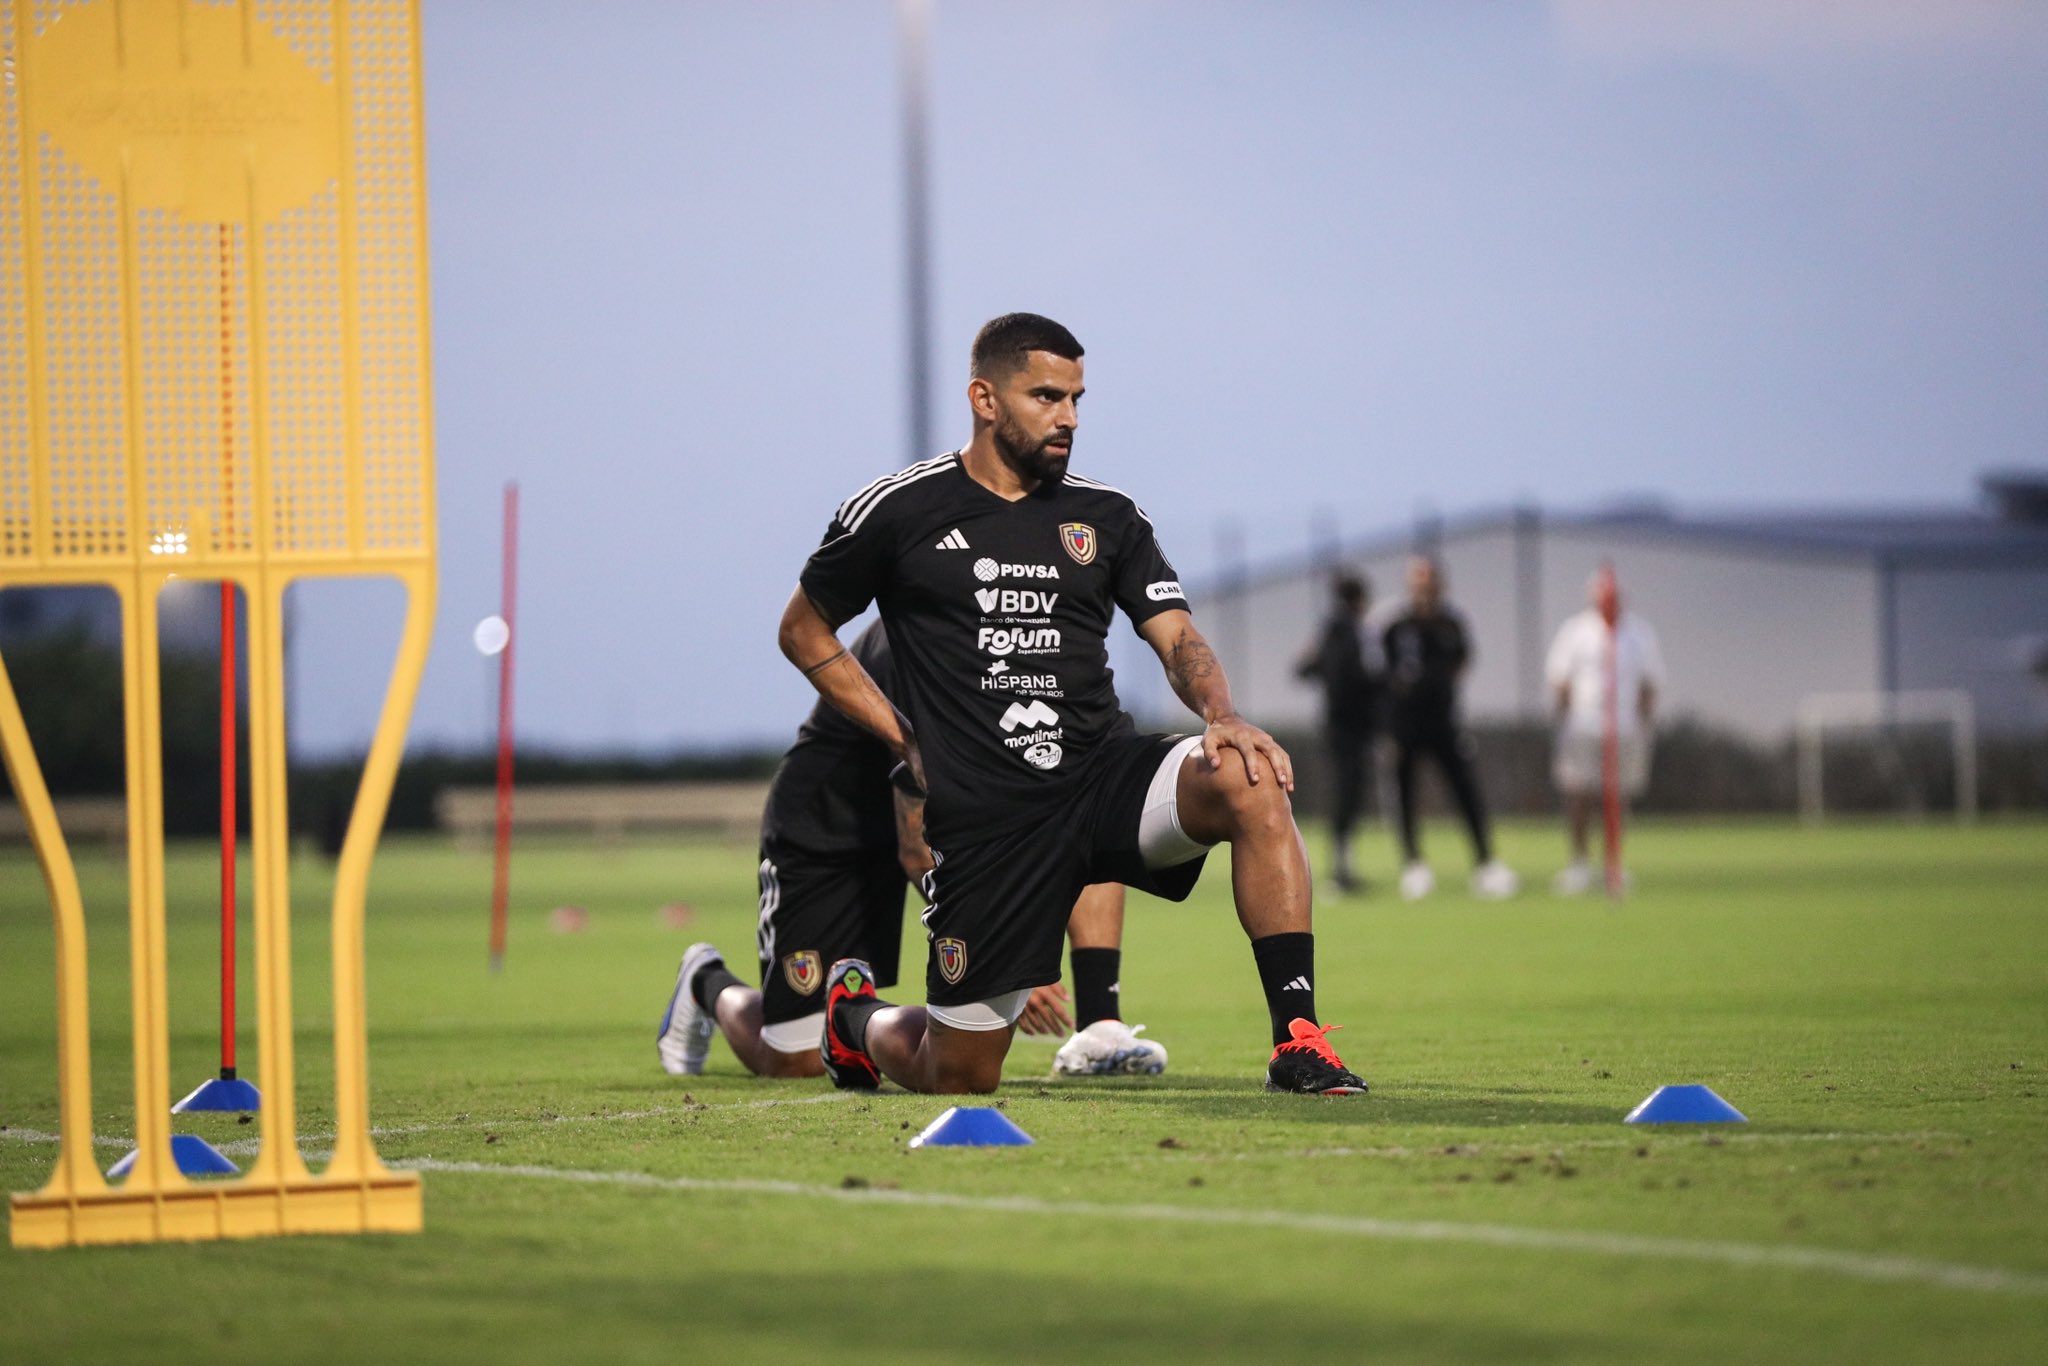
point(913, 29)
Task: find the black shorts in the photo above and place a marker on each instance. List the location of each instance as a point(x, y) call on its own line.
point(816, 908)
point(999, 914)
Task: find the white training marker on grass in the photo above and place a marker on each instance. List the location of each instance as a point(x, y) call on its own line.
point(492, 635)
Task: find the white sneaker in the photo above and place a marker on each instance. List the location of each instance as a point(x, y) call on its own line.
point(1574, 879)
point(1417, 881)
point(1109, 1048)
point(686, 1027)
point(1495, 881)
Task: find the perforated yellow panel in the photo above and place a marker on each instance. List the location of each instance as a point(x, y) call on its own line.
point(213, 363)
point(222, 250)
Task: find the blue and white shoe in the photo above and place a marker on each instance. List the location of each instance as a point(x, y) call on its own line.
point(686, 1027)
point(1109, 1048)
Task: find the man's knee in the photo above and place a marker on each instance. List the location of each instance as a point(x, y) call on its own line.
point(1233, 807)
point(965, 1061)
point(781, 1066)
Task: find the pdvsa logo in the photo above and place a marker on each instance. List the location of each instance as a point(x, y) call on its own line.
point(1029, 640)
point(1035, 715)
point(1024, 602)
point(988, 570)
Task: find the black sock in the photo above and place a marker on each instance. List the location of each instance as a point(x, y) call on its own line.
point(1287, 970)
point(706, 985)
point(1096, 989)
point(853, 1014)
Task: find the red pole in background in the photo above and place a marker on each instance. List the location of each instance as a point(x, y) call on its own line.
point(501, 880)
point(227, 831)
point(227, 669)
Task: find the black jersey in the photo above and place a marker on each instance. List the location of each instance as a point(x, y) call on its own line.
point(1424, 657)
point(999, 616)
point(830, 794)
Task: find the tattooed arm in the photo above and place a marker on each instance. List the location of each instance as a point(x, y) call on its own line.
point(1197, 678)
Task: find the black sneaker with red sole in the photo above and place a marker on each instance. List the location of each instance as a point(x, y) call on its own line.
point(849, 1068)
point(1307, 1066)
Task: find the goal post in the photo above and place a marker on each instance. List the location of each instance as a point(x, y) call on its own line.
point(1947, 712)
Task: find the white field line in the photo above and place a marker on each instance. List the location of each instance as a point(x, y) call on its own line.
point(1849, 1265)
point(487, 1125)
point(1856, 1266)
point(1667, 1141)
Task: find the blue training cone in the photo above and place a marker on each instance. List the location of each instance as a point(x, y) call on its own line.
point(221, 1093)
point(971, 1126)
point(1685, 1105)
point(193, 1154)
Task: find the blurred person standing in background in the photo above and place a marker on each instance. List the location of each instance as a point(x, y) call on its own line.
point(1603, 663)
point(1427, 651)
point(1344, 659)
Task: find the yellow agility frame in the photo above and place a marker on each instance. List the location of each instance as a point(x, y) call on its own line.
point(254, 168)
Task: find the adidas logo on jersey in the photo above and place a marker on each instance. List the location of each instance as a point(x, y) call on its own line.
point(953, 540)
point(1035, 715)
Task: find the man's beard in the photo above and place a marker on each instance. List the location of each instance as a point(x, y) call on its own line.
point(1030, 458)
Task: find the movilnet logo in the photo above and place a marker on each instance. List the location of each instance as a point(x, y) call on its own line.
point(952, 959)
point(1036, 716)
point(1079, 540)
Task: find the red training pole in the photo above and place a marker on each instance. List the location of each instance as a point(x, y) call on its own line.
point(227, 831)
point(228, 763)
point(501, 880)
point(1610, 757)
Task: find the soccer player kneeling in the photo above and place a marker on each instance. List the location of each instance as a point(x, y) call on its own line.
point(998, 575)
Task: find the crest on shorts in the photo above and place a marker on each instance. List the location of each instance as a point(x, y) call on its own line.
point(952, 958)
point(1079, 539)
point(803, 971)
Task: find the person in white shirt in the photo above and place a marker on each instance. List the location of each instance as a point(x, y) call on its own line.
point(1601, 659)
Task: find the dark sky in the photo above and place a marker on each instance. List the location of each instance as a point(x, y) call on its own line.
point(1350, 260)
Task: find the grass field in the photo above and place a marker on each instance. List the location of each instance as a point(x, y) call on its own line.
point(1874, 997)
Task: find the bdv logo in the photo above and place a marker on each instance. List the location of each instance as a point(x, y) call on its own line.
point(1023, 601)
point(1034, 716)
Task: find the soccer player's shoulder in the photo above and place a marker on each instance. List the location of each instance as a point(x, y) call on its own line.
point(890, 490)
point(1105, 501)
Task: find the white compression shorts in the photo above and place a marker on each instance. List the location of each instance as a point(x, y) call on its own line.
point(801, 1035)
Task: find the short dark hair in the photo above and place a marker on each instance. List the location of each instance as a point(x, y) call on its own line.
point(1351, 588)
point(1003, 343)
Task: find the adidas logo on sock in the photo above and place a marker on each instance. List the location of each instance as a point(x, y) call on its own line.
point(953, 540)
point(1298, 984)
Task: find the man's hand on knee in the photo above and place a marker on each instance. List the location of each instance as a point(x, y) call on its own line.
point(1260, 753)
